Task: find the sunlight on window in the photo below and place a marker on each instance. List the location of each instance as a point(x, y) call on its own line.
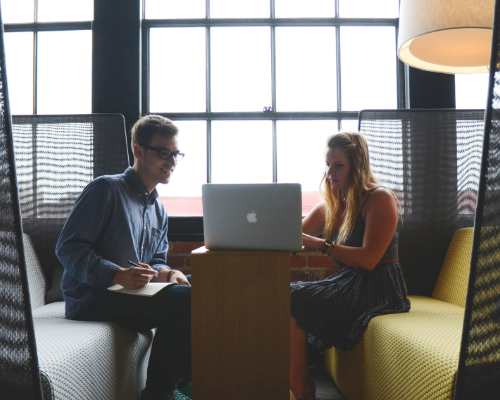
point(306, 69)
point(301, 156)
point(471, 91)
point(369, 9)
point(241, 68)
point(182, 195)
point(240, 9)
point(305, 9)
point(368, 63)
point(18, 11)
point(65, 72)
point(19, 59)
point(242, 152)
point(64, 10)
point(177, 77)
point(174, 9)
point(191, 172)
point(349, 125)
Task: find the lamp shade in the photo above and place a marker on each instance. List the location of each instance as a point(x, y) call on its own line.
point(451, 36)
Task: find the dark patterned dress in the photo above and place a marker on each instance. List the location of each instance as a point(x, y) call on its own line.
point(335, 311)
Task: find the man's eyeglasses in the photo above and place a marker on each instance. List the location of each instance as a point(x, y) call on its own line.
point(164, 153)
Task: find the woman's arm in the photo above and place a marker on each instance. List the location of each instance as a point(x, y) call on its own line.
point(381, 219)
point(314, 223)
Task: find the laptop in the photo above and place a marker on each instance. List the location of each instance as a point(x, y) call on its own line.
point(264, 216)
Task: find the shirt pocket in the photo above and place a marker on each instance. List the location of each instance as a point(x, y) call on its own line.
point(154, 240)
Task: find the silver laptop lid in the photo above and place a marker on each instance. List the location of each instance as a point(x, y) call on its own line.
point(264, 216)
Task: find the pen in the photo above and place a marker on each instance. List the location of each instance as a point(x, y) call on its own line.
point(137, 265)
point(134, 264)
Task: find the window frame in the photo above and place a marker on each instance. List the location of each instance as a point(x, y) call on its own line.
point(134, 100)
point(36, 27)
point(191, 228)
point(272, 115)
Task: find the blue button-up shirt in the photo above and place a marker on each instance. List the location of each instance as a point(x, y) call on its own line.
point(115, 219)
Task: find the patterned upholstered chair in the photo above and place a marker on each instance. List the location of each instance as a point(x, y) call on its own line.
point(448, 345)
point(431, 160)
point(45, 162)
point(56, 157)
point(412, 355)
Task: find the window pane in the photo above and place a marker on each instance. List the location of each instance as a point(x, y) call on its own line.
point(241, 69)
point(182, 195)
point(163, 9)
point(64, 72)
point(368, 62)
point(305, 9)
point(471, 90)
point(302, 143)
point(64, 10)
point(19, 58)
point(242, 152)
point(349, 125)
point(306, 69)
point(240, 9)
point(17, 11)
point(369, 9)
point(177, 70)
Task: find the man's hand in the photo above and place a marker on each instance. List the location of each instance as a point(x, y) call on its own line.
point(179, 277)
point(174, 276)
point(134, 277)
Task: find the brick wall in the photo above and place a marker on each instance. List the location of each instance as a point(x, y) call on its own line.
point(304, 265)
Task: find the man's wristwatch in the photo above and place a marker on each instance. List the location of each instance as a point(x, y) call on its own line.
point(327, 245)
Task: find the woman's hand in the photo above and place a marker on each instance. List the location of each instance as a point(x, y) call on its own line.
point(312, 243)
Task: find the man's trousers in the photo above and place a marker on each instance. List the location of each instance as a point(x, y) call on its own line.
point(170, 312)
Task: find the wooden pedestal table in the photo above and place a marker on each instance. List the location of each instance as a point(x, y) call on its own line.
point(240, 325)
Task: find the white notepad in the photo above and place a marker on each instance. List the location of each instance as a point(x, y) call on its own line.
point(147, 290)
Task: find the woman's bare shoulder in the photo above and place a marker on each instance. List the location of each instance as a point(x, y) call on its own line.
point(381, 192)
point(380, 197)
point(320, 207)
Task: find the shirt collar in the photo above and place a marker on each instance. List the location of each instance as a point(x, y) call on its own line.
point(143, 192)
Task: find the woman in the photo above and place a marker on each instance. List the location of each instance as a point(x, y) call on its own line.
point(358, 218)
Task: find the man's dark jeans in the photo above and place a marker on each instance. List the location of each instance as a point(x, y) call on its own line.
point(170, 312)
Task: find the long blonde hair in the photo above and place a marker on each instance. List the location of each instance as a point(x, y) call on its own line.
point(355, 148)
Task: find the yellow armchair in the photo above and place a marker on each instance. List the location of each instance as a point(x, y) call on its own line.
point(412, 355)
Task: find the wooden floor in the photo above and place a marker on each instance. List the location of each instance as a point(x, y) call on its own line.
point(326, 389)
point(325, 385)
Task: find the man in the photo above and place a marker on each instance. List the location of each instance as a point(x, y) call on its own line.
point(118, 218)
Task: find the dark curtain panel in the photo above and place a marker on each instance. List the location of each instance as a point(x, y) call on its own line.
point(19, 374)
point(479, 366)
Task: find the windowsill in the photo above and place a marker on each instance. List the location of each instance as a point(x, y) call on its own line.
point(185, 229)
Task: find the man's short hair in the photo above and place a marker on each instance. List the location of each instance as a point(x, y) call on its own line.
point(146, 127)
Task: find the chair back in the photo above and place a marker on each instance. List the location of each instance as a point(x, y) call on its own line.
point(56, 157)
point(479, 364)
point(453, 279)
point(431, 160)
point(19, 371)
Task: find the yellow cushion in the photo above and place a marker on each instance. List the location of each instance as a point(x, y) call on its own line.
point(403, 356)
point(451, 285)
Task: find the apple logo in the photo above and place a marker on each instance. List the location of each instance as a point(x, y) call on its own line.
point(252, 217)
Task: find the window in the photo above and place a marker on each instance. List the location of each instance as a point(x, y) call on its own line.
point(471, 91)
point(48, 46)
point(257, 86)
